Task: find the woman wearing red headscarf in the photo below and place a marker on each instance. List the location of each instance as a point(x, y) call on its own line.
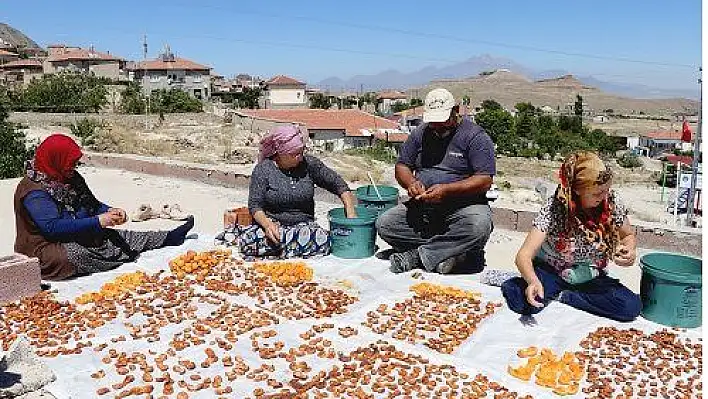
point(59, 220)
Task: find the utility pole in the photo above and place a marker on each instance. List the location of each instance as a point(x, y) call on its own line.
point(146, 80)
point(696, 153)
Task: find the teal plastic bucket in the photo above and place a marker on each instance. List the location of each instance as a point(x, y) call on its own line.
point(353, 238)
point(671, 289)
point(366, 196)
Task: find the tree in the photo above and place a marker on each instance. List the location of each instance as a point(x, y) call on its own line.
point(499, 124)
point(13, 148)
point(526, 108)
point(248, 98)
point(578, 105)
point(491, 105)
point(64, 92)
point(319, 101)
point(132, 101)
point(416, 102)
point(466, 100)
point(173, 101)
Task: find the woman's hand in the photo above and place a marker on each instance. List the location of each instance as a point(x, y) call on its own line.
point(534, 291)
point(349, 202)
point(120, 215)
point(108, 219)
point(272, 231)
point(625, 255)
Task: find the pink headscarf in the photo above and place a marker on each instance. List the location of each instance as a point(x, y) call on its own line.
point(282, 140)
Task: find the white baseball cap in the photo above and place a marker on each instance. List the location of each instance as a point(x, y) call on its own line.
point(438, 104)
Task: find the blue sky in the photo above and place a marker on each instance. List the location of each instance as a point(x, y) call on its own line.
point(313, 40)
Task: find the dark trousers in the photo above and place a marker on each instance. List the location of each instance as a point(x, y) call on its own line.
point(602, 296)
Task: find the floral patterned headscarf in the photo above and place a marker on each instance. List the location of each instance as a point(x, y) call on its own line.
point(582, 170)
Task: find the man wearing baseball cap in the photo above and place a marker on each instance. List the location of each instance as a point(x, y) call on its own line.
point(447, 166)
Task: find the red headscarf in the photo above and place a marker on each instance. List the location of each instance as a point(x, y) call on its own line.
point(57, 156)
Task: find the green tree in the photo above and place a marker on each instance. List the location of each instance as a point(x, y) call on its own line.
point(65, 92)
point(416, 102)
point(578, 105)
point(173, 101)
point(13, 148)
point(319, 101)
point(248, 98)
point(526, 108)
point(132, 100)
point(499, 124)
point(491, 105)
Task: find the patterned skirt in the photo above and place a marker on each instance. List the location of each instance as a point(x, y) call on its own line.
point(302, 240)
point(117, 247)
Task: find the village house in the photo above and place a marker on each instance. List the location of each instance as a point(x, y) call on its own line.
point(7, 56)
point(18, 74)
point(168, 72)
point(389, 98)
point(283, 92)
point(657, 142)
point(332, 130)
point(75, 59)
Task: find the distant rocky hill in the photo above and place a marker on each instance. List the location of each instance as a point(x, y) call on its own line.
point(509, 88)
point(11, 37)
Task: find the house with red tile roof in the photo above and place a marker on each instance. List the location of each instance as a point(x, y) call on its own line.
point(661, 141)
point(19, 73)
point(76, 59)
point(284, 92)
point(7, 56)
point(169, 71)
point(389, 98)
point(331, 129)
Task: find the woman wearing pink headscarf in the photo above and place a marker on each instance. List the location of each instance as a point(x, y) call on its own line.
point(282, 199)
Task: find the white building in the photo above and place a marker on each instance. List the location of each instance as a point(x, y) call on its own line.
point(283, 92)
point(168, 71)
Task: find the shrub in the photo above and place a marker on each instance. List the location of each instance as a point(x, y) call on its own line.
point(629, 160)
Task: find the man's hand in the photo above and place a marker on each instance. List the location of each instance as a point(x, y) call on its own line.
point(120, 215)
point(272, 231)
point(434, 195)
point(415, 189)
point(625, 256)
point(533, 292)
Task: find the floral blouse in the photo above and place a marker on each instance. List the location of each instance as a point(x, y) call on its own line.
point(573, 258)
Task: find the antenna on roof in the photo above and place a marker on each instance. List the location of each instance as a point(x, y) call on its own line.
point(145, 47)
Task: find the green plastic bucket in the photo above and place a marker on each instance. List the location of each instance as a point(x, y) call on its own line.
point(353, 238)
point(366, 196)
point(671, 289)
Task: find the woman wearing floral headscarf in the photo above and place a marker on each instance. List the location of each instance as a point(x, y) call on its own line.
point(281, 199)
point(565, 256)
point(59, 221)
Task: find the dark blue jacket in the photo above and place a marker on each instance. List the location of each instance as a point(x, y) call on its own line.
point(56, 223)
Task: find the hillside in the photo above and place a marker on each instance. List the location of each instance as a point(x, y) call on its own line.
point(509, 88)
point(12, 37)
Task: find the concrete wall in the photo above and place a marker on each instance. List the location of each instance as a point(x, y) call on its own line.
point(278, 97)
point(507, 219)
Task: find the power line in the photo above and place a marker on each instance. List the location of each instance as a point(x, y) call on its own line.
point(445, 37)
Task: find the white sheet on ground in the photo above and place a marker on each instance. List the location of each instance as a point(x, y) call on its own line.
point(489, 350)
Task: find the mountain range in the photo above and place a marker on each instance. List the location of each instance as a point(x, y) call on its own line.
point(393, 79)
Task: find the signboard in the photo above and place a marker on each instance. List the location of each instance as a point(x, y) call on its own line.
point(685, 181)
